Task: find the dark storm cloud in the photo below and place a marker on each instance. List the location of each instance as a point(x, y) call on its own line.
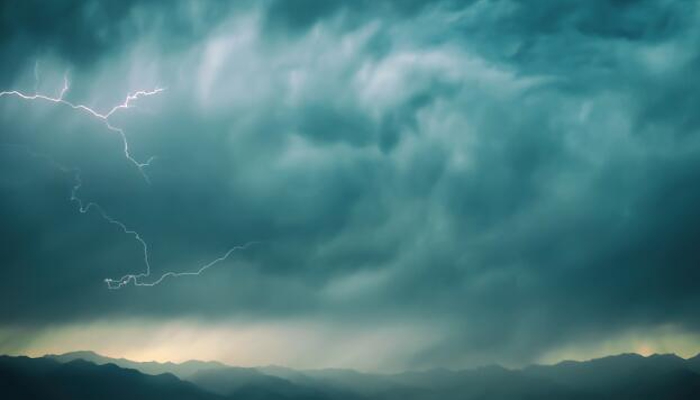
point(520, 174)
point(301, 15)
point(87, 33)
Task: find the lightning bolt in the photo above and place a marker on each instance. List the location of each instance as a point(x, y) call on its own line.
point(104, 117)
point(124, 280)
point(84, 207)
point(135, 278)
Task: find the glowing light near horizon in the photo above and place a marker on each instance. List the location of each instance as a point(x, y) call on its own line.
point(84, 207)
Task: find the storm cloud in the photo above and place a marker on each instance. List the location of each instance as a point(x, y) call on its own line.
point(512, 177)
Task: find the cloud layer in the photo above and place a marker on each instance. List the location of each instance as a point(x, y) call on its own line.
point(514, 177)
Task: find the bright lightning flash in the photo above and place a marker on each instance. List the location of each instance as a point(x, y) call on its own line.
point(84, 207)
point(104, 117)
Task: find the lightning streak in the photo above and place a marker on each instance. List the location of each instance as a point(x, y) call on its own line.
point(135, 278)
point(104, 117)
point(85, 207)
point(124, 280)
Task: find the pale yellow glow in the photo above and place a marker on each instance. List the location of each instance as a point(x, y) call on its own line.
point(654, 341)
point(296, 344)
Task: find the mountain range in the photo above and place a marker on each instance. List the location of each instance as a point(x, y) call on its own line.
point(86, 375)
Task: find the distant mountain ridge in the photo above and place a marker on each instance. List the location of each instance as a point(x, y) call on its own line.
point(88, 375)
point(44, 378)
point(181, 370)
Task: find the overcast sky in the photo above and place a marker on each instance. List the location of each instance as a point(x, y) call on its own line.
point(428, 183)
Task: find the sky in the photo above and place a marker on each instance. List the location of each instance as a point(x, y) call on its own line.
point(420, 183)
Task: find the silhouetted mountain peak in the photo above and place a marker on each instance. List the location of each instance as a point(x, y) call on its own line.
point(47, 378)
point(624, 376)
point(83, 354)
point(181, 370)
point(79, 355)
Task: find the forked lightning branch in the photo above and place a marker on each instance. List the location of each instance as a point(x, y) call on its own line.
point(141, 279)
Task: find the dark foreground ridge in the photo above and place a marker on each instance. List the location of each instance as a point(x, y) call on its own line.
point(86, 375)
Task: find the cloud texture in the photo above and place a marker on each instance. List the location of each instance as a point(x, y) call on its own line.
point(512, 177)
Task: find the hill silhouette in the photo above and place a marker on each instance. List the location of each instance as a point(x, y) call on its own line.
point(182, 370)
point(87, 375)
point(44, 378)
